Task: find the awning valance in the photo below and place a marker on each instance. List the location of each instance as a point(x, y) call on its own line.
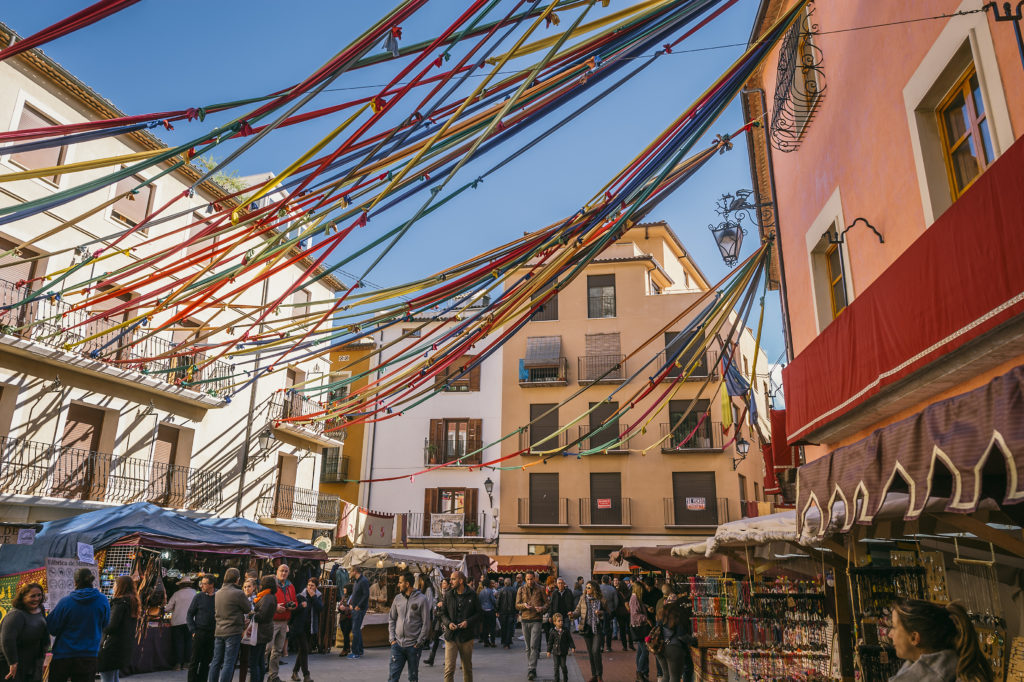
point(543, 351)
point(961, 279)
point(516, 563)
point(960, 448)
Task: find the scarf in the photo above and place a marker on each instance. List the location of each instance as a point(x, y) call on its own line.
point(593, 606)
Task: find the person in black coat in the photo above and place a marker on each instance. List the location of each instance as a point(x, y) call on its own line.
point(264, 608)
point(560, 644)
point(23, 636)
point(119, 635)
point(305, 625)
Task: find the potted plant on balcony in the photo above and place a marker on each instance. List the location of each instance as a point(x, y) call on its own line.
point(471, 528)
point(432, 453)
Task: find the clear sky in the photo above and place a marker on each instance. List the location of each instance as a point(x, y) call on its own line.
point(162, 55)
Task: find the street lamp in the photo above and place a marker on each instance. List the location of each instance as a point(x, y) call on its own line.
point(729, 237)
point(729, 233)
point(489, 487)
point(266, 439)
point(742, 448)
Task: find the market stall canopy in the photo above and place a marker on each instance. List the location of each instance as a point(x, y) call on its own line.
point(664, 559)
point(514, 563)
point(372, 557)
point(608, 568)
point(963, 448)
point(152, 526)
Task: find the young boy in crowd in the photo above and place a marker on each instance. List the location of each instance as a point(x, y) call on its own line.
point(560, 645)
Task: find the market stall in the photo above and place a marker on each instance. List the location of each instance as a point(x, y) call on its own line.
point(382, 566)
point(508, 565)
point(158, 548)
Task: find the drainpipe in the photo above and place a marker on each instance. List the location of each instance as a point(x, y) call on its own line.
point(786, 333)
point(243, 460)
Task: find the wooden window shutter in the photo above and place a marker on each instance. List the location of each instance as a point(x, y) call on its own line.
point(435, 440)
point(430, 502)
point(82, 428)
point(471, 504)
point(474, 440)
point(474, 376)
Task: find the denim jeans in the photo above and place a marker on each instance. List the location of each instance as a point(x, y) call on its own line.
point(258, 662)
point(643, 661)
point(400, 655)
point(357, 632)
point(225, 653)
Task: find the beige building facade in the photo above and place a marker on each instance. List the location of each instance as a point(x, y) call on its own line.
point(88, 423)
point(579, 509)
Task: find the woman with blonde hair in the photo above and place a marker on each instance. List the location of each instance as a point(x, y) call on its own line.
point(937, 643)
point(119, 635)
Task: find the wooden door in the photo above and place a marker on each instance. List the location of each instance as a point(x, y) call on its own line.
point(168, 482)
point(606, 499)
point(544, 498)
point(284, 501)
point(610, 432)
point(80, 471)
point(695, 498)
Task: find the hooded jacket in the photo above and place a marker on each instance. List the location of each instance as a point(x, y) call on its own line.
point(939, 666)
point(77, 623)
point(409, 619)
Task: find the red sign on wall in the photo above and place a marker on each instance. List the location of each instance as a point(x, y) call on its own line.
point(604, 503)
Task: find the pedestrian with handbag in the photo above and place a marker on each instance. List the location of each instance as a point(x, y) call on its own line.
point(676, 635)
point(264, 608)
point(119, 635)
point(23, 636)
point(592, 612)
point(641, 627)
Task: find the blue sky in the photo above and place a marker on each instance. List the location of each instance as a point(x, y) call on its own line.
point(160, 55)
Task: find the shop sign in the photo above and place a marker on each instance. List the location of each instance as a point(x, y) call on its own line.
point(696, 503)
point(60, 577)
point(604, 503)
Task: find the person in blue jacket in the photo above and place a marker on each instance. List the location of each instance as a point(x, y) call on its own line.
point(359, 601)
point(76, 624)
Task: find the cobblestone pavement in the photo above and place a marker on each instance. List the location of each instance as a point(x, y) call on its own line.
point(489, 665)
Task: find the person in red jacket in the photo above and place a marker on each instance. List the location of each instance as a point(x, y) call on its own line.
point(286, 603)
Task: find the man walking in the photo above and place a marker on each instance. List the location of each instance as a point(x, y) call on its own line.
point(611, 599)
point(488, 607)
point(201, 623)
point(622, 613)
point(408, 628)
point(177, 606)
point(507, 613)
point(459, 618)
point(286, 603)
point(562, 601)
point(231, 606)
point(531, 602)
point(359, 601)
point(76, 624)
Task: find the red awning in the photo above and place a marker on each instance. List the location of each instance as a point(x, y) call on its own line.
point(960, 279)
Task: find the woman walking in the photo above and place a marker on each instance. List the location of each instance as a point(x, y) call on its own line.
point(345, 619)
point(23, 636)
point(435, 622)
point(592, 610)
point(641, 627)
point(937, 643)
point(677, 634)
point(304, 627)
point(265, 605)
point(119, 635)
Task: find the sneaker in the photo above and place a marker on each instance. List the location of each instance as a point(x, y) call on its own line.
point(353, 657)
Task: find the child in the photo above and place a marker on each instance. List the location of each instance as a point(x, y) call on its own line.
point(560, 645)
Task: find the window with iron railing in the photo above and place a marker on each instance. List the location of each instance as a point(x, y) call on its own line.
point(600, 296)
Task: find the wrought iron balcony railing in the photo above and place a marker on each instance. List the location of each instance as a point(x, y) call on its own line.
point(605, 511)
point(543, 511)
point(707, 366)
point(300, 504)
point(692, 437)
point(444, 451)
point(549, 375)
point(602, 437)
point(449, 526)
point(54, 323)
point(601, 369)
point(289, 408)
point(40, 469)
point(540, 439)
point(696, 511)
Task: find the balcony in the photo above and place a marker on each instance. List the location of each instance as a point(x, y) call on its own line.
point(588, 442)
point(446, 526)
point(692, 437)
point(601, 369)
point(299, 504)
point(112, 355)
point(604, 512)
point(334, 468)
point(535, 434)
point(547, 376)
point(44, 470)
point(292, 406)
point(551, 513)
point(696, 512)
point(707, 367)
point(443, 451)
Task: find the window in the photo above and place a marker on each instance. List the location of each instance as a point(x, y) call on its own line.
point(301, 299)
point(603, 361)
point(743, 488)
point(694, 499)
point(549, 309)
point(544, 507)
point(338, 391)
point(829, 272)
point(453, 501)
point(543, 362)
point(605, 508)
point(452, 439)
point(757, 493)
point(39, 158)
point(454, 377)
point(133, 209)
point(412, 333)
point(541, 550)
point(964, 131)
point(836, 281)
point(676, 341)
point(543, 424)
point(695, 432)
point(450, 501)
point(600, 296)
point(603, 412)
point(334, 466)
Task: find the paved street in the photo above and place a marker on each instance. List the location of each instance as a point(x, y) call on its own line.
point(489, 665)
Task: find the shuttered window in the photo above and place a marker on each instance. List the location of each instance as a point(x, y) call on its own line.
point(603, 359)
point(133, 209)
point(204, 244)
point(168, 476)
point(675, 341)
point(544, 426)
point(694, 497)
point(544, 498)
point(457, 379)
point(301, 299)
point(39, 158)
point(80, 472)
point(451, 439)
point(610, 432)
point(606, 498)
point(14, 269)
point(549, 309)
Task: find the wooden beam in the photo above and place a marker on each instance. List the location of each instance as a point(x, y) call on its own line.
point(968, 524)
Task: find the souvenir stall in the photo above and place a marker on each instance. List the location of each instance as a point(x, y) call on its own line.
point(382, 566)
point(158, 548)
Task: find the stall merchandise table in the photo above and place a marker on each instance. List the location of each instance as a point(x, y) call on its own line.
point(155, 652)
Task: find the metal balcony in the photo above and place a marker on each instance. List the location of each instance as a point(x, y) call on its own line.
point(532, 437)
point(297, 414)
point(696, 512)
point(300, 504)
point(707, 367)
point(547, 376)
point(599, 512)
point(689, 437)
point(334, 468)
point(601, 369)
point(446, 526)
point(44, 470)
point(544, 512)
point(444, 451)
point(589, 442)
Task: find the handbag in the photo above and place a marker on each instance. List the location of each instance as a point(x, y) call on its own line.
point(251, 633)
point(655, 640)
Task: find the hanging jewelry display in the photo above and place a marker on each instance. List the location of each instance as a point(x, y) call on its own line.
point(980, 589)
point(936, 589)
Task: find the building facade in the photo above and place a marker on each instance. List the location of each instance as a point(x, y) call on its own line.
point(92, 415)
point(342, 466)
point(453, 509)
point(678, 478)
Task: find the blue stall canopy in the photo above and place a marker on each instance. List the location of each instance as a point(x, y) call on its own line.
point(148, 525)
